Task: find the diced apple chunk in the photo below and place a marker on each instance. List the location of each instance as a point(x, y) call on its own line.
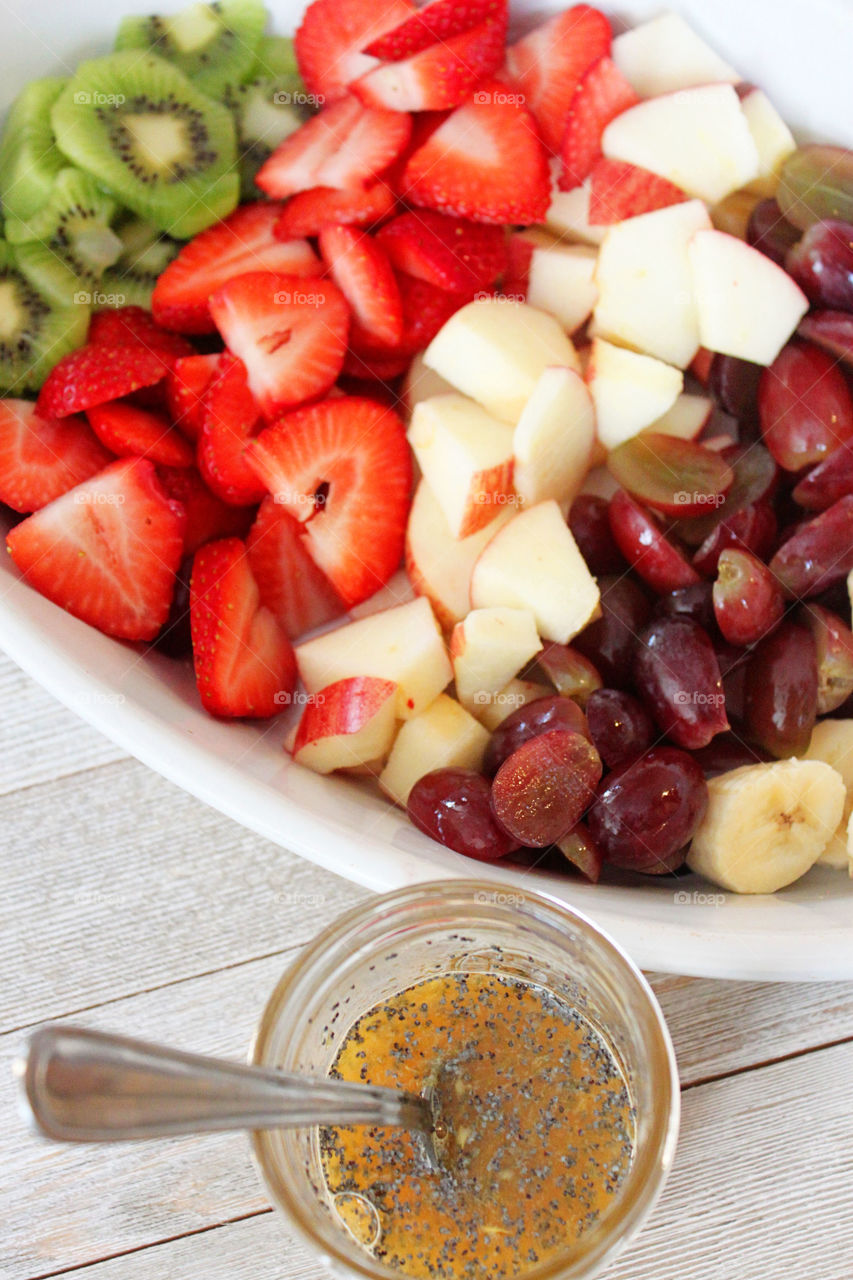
point(421, 383)
point(518, 693)
point(697, 138)
point(772, 137)
point(534, 563)
point(665, 55)
point(465, 456)
point(488, 650)
point(444, 736)
point(629, 391)
point(347, 725)
point(748, 306)
point(568, 215)
point(552, 444)
point(403, 644)
point(687, 418)
point(560, 279)
point(494, 351)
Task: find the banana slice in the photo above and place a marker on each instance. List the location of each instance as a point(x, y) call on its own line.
point(832, 742)
point(767, 824)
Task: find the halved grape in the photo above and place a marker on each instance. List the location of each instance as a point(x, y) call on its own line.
point(754, 528)
point(655, 557)
point(590, 526)
point(677, 477)
point(570, 671)
point(834, 651)
point(454, 807)
point(756, 478)
point(828, 481)
point(540, 716)
point(819, 554)
point(727, 752)
point(822, 265)
point(688, 602)
point(579, 848)
point(609, 641)
point(781, 691)
point(805, 406)
point(832, 331)
point(734, 386)
point(620, 727)
point(816, 183)
point(678, 677)
point(770, 232)
point(748, 601)
point(543, 789)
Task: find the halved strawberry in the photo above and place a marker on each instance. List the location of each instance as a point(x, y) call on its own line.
point(602, 95)
point(426, 309)
point(107, 551)
point(343, 469)
point(131, 432)
point(207, 517)
point(186, 386)
point(332, 35)
point(231, 419)
point(440, 76)
point(451, 253)
point(344, 147)
point(40, 458)
point(308, 212)
point(485, 162)
point(244, 663)
point(361, 270)
point(361, 368)
point(519, 250)
point(548, 63)
point(437, 21)
point(136, 326)
point(291, 334)
point(242, 242)
point(94, 375)
point(291, 585)
point(620, 190)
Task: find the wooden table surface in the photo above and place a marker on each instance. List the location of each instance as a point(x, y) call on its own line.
point(130, 906)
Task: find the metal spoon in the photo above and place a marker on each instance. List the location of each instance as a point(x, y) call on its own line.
point(86, 1086)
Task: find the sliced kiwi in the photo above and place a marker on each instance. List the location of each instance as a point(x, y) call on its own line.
point(29, 157)
point(276, 57)
point(264, 115)
point(146, 253)
point(152, 140)
point(34, 332)
point(214, 44)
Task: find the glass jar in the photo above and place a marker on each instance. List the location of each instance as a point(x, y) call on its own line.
point(389, 943)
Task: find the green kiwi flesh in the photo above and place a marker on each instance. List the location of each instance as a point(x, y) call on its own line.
point(276, 57)
point(146, 253)
point(264, 115)
point(34, 332)
point(215, 45)
point(29, 158)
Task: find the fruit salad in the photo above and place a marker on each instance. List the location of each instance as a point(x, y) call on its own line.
point(479, 401)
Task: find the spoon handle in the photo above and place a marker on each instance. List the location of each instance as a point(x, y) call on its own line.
point(86, 1086)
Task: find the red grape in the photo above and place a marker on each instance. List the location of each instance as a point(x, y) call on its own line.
point(831, 330)
point(677, 477)
point(834, 652)
point(678, 677)
point(570, 671)
point(756, 478)
point(732, 663)
point(819, 554)
point(542, 790)
point(688, 602)
point(590, 526)
point(816, 183)
point(579, 848)
point(541, 716)
point(453, 806)
point(754, 528)
point(770, 233)
point(734, 385)
point(647, 811)
point(748, 601)
point(728, 752)
point(645, 546)
point(620, 727)
point(609, 641)
point(781, 691)
point(828, 481)
point(822, 265)
point(805, 407)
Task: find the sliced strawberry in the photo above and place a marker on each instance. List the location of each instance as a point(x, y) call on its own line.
point(291, 585)
point(242, 242)
point(437, 21)
point(343, 469)
point(207, 517)
point(186, 386)
point(107, 551)
point(361, 270)
point(131, 432)
point(620, 190)
point(344, 147)
point(547, 65)
point(333, 32)
point(244, 662)
point(40, 458)
point(451, 253)
point(94, 375)
point(231, 419)
point(129, 326)
point(365, 368)
point(519, 250)
point(309, 211)
point(291, 334)
point(602, 95)
point(426, 309)
point(484, 162)
point(438, 77)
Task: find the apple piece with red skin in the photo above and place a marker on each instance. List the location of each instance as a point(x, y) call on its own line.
point(347, 724)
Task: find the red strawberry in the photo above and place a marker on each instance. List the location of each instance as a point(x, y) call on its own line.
point(333, 33)
point(244, 663)
point(95, 375)
point(450, 253)
point(242, 242)
point(484, 162)
point(362, 272)
point(186, 385)
point(620, 190)
point(547, 65)
point(207, 517)
point(602, 95)
point(131, 326)
point(40, 458)
point(438, 77)
point(291, 585)
point(343, 469)
point(364, 368)
point(344, 147)
point(437, 21)
point(426, 309)
point(107, 551)
point(291, 334)
point(231, 419)
point(309, 211)
point(519, 256)
point(131, 432)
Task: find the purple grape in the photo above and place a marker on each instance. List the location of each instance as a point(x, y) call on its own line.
point(620, 727)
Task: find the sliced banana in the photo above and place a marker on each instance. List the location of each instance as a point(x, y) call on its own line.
point(832, 742)
point(767, 824)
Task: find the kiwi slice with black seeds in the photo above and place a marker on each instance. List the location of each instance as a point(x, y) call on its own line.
point(264, 114)
point(34, 332)
point(213, 44)
point(146, 253)
point(29, 157)
point(151, 139)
